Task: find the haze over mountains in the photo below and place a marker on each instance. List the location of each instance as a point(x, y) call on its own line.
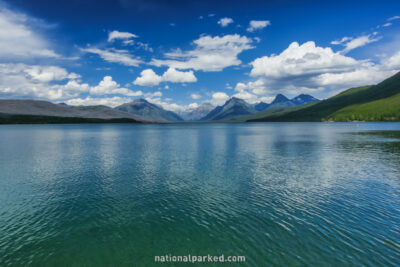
point(139, 110)
point(379, 102)
point(196, 114)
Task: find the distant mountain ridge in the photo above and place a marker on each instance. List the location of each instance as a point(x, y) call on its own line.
point(43, 110)
point(143, 108)
point(196, 114)
point(232, 107)
point(235, 107)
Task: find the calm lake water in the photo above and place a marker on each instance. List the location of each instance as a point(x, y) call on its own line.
point(321, 194)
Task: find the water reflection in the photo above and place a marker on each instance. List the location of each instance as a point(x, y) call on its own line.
point(279, 193)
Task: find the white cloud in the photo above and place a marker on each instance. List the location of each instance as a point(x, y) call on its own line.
point(145, 47)
point(115, 56)
point(167, 106)
point(109, 87)
point(300, 60)
point(387, 24)
point(257, 25)
point(210, 53)
point(365, 74)
point(359, 41)
point(120, 35)
point(195, 96)
point(193, 106)
point(247, 96)
point(48, 73)
point(393, 18)
point(219, 98)
point(18, 39)
point(176, 76)
point(47, 82)
point(341, 41)
point(21, 80)
point(153, 94)
point(393, 63)
point(149, 78)
point(257, 87)
point(225, 22)
point(106, 101)
point(361, 76)
point(308, 68)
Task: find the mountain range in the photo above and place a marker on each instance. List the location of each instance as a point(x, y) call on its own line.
point(34, 111)
point(236, 107)
point(145, 109)
point(380, 102)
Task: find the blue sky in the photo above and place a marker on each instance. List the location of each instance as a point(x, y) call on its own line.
point(180, 54)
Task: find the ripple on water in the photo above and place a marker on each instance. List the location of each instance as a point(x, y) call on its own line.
point(279, 194)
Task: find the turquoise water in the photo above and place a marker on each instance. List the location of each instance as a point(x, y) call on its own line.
point(284, 194)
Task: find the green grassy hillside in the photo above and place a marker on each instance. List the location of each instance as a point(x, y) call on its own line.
point(268, 113)
point(387, 109)
point(367, 103)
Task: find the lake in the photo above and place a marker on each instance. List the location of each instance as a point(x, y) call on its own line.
point(284, 194)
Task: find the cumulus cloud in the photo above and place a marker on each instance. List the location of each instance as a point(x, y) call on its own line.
point(18, 39)
point(110, 87)
point(149, 78)
point(48, 73)
point(120, 35)
point(210, 53)
point(94, 101)
point(308, 68)
point(176, 76)
point(21, 80)
point(257, 25)
point(52, 82)
point(115, 56)
point(219, 98)
point(225, 22)
point(300, 60)
point(247, 96)
point(257, 87)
